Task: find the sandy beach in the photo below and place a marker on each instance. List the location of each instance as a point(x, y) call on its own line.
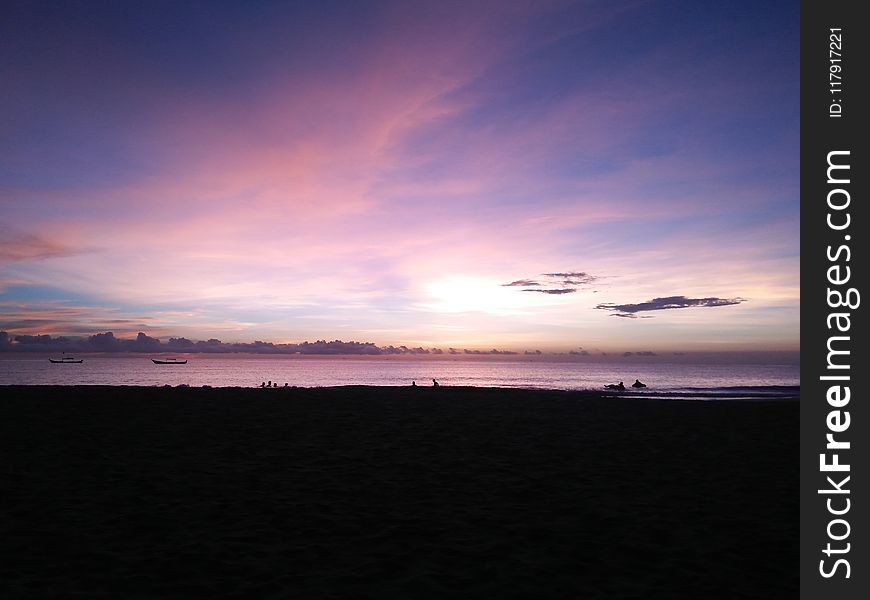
point(361, 492)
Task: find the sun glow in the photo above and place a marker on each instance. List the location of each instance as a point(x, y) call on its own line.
point(472, 294)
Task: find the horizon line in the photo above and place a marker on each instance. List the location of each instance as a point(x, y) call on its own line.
point(106, 342)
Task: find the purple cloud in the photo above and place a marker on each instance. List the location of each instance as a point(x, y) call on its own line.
point(568, 278)
point(666, 303)
point(520, 283)
point(25, 246)
point(573, 277)
point(555, 292)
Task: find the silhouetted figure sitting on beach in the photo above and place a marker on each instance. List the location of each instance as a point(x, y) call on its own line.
point(638, 384)
point(262, 385)
point(434, 383)
point(286, 385)
point(413, 384)
point(269, 384)
point(615, 386)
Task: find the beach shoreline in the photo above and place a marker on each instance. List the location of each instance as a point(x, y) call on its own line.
point(395, 492)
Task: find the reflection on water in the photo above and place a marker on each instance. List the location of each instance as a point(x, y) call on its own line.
point(252, 370)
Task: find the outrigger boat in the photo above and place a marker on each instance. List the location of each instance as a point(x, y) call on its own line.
point(169, 361)
point(66, 360)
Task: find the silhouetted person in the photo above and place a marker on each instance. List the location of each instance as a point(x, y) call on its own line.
point(269, 384)
point(638, 384)
point(413, 384)
point(434, 383)
point(286, 385)
point(262, 385)
point(615, 386)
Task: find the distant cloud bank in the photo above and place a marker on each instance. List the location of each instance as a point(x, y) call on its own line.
point(107, 342)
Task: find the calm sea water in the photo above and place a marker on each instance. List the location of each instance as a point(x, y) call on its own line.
point(681, 380)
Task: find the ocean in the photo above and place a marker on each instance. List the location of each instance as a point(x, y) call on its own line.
point(243, 370)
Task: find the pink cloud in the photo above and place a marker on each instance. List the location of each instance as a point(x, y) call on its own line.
point(351, 183)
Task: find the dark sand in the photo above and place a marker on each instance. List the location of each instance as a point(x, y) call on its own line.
point(394, 493)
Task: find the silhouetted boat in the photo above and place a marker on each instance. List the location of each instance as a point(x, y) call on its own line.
point(169, 361)
point(66, 360)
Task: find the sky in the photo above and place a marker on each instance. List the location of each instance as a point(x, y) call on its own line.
point(543, 175)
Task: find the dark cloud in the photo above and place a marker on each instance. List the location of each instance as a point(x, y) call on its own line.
point(142, 343)
point(181, 343)
point(520, 283)
point(666, 303)
point(107, 342)
point(555, 291)
point(573, 277)
point(405, 350)
point(333, 347)
point(567, 282)
point(27, 340)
